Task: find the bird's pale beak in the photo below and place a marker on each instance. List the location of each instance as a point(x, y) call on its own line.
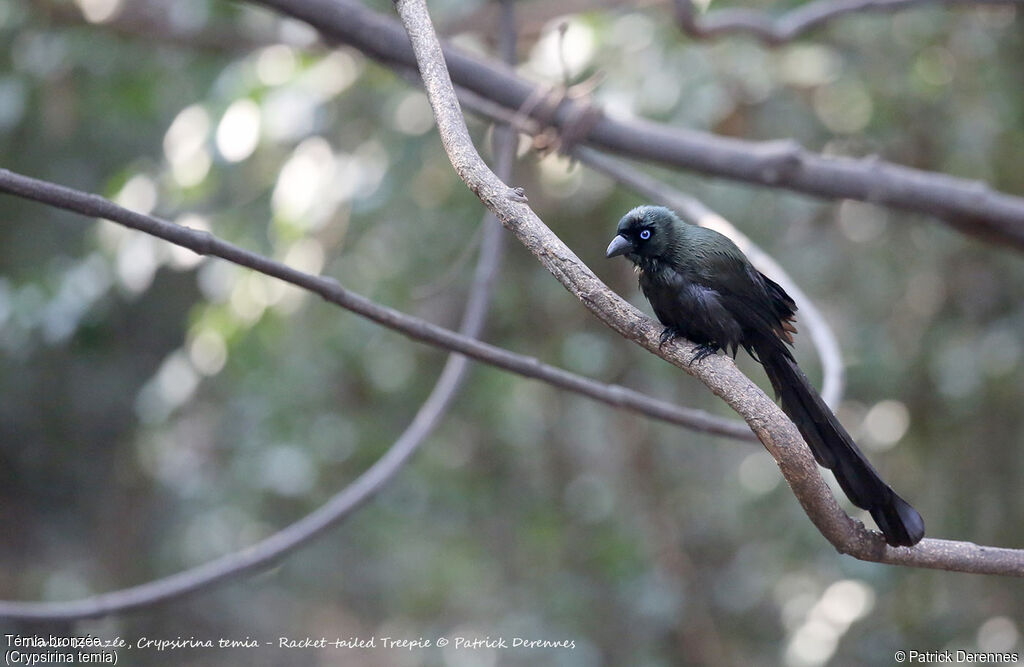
point(620, 245)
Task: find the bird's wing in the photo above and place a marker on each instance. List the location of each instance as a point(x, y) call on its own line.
point(758, 303)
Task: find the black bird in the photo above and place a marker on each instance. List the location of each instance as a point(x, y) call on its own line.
point(703, 288)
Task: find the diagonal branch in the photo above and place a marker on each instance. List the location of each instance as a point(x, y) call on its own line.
point(971, 207)
point(720, 375)
point(787, 27)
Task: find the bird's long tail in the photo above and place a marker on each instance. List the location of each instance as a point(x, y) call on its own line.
point(835, 449)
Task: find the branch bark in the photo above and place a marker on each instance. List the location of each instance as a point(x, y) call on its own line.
point(971, 207)
point(774, 31)
point(718, 373)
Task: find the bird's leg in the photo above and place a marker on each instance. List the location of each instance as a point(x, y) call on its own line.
point(667, 334)
point(704, 350)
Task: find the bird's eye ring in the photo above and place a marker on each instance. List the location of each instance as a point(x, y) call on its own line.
point(645, 234)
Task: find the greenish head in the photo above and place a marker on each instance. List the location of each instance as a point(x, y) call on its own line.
point(646, 231)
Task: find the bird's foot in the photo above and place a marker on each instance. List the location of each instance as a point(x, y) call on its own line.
point(666, 335)
point(703, 351)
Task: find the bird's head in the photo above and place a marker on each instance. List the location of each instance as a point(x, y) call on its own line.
point(645, 232)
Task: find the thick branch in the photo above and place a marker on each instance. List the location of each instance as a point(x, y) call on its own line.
point(970, 206)
point(773, 429)
point(787, 27)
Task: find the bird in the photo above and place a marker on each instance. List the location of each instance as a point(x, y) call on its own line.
point(703, 288)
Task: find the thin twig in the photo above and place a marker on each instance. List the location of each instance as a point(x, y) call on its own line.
point(971, 207)
point(777, 433)
point(787, 27)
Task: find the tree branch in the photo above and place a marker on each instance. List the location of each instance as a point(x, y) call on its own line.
point(971, 207)
point(774, 31)
point(718, 372)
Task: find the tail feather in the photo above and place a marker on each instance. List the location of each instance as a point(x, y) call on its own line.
point(834, 449)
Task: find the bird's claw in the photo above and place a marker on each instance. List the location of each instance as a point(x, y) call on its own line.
point(666, 335)
point(703, 351)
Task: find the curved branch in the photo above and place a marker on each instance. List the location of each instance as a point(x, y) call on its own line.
point(971, 207)
point(720, 375)
point(774, 31)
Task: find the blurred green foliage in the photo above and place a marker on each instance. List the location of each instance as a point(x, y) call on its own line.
point(158, 411)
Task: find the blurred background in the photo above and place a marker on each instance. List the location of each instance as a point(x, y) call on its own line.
point(158, 410)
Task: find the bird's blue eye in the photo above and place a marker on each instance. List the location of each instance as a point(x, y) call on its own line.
point(645, 234)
